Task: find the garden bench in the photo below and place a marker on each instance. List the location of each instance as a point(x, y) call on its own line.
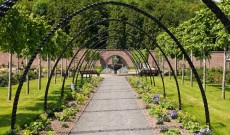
point(148, 72)
point(89, 72)
point(59, 72)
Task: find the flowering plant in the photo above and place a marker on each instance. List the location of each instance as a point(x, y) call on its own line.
point(174, 114)
point(156, 99)
point(205, 131)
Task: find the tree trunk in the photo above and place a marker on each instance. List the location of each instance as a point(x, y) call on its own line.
point(61, 68)
point(55, 76)
point(169, 74)
point(48, 66)
point(183, 66)
point(159, 60)
point(191, 73)
point(175, 65)
point(10, 76)
point(224, 73)
point(27, 80)
point(204, 71)
point(39, 72)
point(18, 64)
point(162, 65)
point(66, 61)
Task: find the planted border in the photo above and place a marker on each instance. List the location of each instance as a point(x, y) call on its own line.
point(65, 110)
point(163, 110)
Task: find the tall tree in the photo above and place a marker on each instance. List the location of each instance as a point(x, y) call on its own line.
point(11, 42)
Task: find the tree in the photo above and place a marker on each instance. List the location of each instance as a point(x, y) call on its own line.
point(11, 42)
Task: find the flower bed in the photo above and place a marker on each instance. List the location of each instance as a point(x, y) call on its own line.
point(61, 118)
point(167, 119)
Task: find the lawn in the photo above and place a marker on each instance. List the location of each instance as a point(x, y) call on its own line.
point(29, 106)
point(192, 102)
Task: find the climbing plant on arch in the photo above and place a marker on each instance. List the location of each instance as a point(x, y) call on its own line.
point(209, 3)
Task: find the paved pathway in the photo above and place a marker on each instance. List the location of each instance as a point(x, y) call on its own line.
point(113, 111)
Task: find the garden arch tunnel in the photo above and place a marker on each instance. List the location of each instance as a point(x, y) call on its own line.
point(28, 66)
point(210, 4)
point(127, 33)
point(79, 50)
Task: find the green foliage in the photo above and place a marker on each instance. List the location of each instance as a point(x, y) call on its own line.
point(15, 78)
point(34, 128)
point(86, 91)
point(67, 114)
point(81, 99)
point(147, 98)
point(50, 133)
point(166, 118)
point(40, 7)
point(173, 131)
point(213, 75)
point(191, 126)
point(158, 111)
point(166, 104)
point(188, 123)
point(92, 55)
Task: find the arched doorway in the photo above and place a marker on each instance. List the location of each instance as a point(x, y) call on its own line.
point(115, 64)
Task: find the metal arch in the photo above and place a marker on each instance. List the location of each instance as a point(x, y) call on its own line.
point(52, 71)
point(136, 67)
point(103, 51)
point(16, 100)
point(6, 6)
point(63, 83)
point(219, 14)
point(86, 52)
point(150, 55)
point(140, 53)
point(103, 41)
point(82, 61)
point(65, 20)
point(144, 45)
point(132, 59)
point(75, 72)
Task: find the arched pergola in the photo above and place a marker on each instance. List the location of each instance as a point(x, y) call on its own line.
point(9, 3)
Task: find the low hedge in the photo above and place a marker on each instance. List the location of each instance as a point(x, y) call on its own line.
point(15, 78)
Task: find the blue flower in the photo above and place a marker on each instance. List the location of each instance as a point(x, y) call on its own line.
point(174, 114)
point(160, 121)
point(156, 99)
point(205, 131)
point(164, 129)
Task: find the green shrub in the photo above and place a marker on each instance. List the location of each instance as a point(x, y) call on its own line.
point(34, 128)
point(80, 98)
point(158, 111)
point(173, 131)
point(67, 114)
point(147, 98)
point(166, 104)
point(3, 81)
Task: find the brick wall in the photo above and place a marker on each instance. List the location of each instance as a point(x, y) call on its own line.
point(106, 55)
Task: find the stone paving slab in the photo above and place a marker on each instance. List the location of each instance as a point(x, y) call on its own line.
point(113, 111)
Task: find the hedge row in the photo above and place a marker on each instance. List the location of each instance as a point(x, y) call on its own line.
point(15, 78)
